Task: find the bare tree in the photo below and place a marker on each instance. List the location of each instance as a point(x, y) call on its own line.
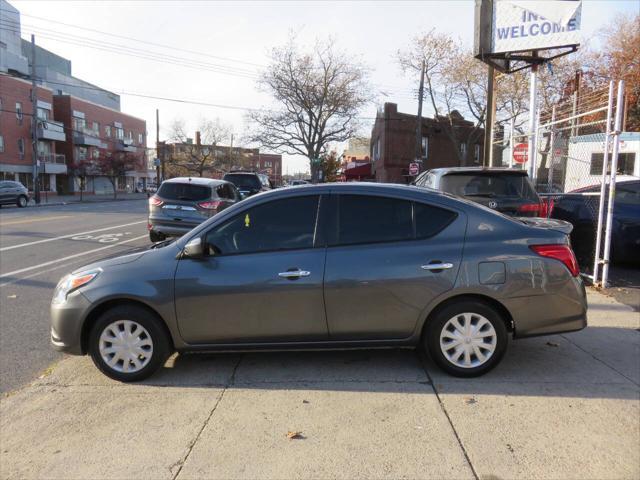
point(196, 156)
point(114, 165)
point(454, 82)
point(319, 95)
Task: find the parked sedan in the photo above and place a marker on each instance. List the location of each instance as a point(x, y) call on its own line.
point(248, 183)
point(505, 190)
point(581, 209)
point(182, 203)
point(13, 193)
point(327, 266)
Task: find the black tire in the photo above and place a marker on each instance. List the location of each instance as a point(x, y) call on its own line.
point(22, 201)
point(161, 345)
point(156, 237)
point(478, 309)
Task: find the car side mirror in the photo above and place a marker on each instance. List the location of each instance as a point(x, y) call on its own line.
point(194, 248)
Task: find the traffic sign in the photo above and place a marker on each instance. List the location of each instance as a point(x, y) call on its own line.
point(414, 168)
point(521, 153)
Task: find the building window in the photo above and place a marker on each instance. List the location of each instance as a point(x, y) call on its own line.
point(19, 112)
point(463, 149)
point(79, 124)
point(1, 144)
point(376, 150)
point(81, 153)
point(107, 131)
point(267, 164)
point(476, 153)
point(425, 147)
point(96, 127)
point(44, 150)
point(626, 163)
point(140, 138)
point(119, 133)
point(95, 153)
point(43, 113)
point(21, 147)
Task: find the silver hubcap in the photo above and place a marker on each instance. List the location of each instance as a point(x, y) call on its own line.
point(126, 346)
point(468, 340)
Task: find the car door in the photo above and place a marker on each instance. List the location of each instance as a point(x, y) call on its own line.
point(387, 259)
point(4, 192)
point(261, 280)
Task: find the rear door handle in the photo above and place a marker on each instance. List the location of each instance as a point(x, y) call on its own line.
point(437, 266)
point(294, 274)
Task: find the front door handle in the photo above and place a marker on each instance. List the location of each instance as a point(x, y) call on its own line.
point(294, 274)
point(437, 266)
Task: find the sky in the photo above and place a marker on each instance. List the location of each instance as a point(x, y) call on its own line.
point(227, 44)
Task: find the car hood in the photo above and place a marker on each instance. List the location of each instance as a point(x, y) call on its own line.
point(548, 223)
point(110, 262)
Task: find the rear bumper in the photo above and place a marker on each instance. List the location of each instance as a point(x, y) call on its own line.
point(172, 228)
point(562, 311)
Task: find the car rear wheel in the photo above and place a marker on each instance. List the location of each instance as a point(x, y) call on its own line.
point(467, 338)
point(22, 201)
point(128, 344)
point(155, 236)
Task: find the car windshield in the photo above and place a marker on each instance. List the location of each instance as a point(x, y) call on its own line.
point(184, 191)
point(243, 181)
point(498, 184)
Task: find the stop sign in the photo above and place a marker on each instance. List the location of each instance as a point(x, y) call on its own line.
point(521, 153)
point(414, 168)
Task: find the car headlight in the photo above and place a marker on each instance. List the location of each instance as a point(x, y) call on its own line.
point(72, 282)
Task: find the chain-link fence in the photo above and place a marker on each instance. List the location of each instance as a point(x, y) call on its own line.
point(575, 140)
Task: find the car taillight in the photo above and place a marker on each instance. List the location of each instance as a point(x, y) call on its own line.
point(530, 208)
point(559, 252)
point(210, 205)
point(155, 201)
point(546, 207)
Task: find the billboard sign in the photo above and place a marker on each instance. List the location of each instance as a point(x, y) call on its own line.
point(526, 25)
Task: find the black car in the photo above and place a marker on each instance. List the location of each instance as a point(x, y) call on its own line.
point(505, 190)
point(249, 183)
point(182, 203)
point(13, 193)
point(580, 208)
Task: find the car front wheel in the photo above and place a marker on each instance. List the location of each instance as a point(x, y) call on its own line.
point(467, 339)
point(22, 201)
point(128, 344)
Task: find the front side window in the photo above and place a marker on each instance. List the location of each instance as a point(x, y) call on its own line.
point(368, 219)
point(277, 225)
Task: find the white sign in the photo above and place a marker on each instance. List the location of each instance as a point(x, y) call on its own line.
point(525, 25)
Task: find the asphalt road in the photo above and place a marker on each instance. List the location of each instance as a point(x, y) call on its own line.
point(38, 246)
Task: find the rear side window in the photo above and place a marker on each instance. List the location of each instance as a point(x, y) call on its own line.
point(368, 219)
point(184, 191)
point(431, 220)
point(243, 181)
point(488, 185)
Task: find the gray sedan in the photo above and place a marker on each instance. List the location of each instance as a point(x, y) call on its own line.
point(328, 266)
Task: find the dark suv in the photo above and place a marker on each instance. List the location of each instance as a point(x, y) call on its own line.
point(182, 203)
point(249, 183)
point(505, 190)
point(13, 193)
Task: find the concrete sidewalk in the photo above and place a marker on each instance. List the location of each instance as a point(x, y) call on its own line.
point(66, 199)
point(566, 406)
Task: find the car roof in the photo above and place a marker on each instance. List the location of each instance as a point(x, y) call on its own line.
point(196, 181)
point(446, 170)
point(241, 173)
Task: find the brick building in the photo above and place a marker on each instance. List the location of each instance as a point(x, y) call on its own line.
point(393, 144)
point(93, 131)
point(226, 158)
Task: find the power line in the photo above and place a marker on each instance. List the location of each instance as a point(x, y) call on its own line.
point(228, 59)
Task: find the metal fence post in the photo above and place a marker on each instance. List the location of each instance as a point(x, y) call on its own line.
point(511, 143)
point(612, 184)
point(551, 153)
point(603, 185)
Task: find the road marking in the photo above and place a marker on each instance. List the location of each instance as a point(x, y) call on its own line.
point(38, 219)
point(36, 242)
point(58, 260)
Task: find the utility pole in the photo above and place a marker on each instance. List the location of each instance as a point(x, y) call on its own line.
point(419, 118)
point(489, 119)
point(34, 121)
point(157, 148)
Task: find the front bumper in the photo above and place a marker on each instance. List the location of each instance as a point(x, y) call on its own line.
point(67, 320)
